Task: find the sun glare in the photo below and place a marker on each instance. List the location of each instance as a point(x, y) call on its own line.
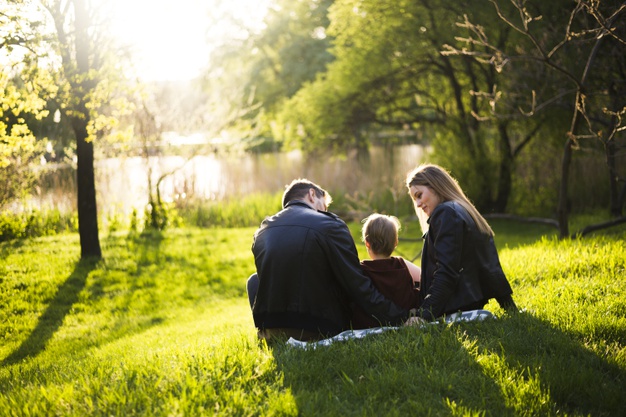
point(172, 40)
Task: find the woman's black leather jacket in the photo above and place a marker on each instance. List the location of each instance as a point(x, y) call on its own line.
point(460, 266)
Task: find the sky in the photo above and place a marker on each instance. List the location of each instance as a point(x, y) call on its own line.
point(171, 40)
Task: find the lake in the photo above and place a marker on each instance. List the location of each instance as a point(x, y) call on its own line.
point(122, 183)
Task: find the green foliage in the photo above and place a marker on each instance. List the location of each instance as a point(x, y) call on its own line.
point(256, 75)
point(160, 216)
point(244, 211)
point(161, 326)
point(35, 224)
point(358, 205)
point(468, 90)
point(19, 149)
point(390, 75)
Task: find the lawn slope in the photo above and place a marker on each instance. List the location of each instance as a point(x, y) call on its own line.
point(161, 326)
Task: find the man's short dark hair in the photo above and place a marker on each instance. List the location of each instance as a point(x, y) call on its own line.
point(299, 188)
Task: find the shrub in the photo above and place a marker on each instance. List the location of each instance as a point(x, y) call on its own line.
point(36, 223)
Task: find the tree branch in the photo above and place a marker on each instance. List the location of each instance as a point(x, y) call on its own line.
point(599, 226)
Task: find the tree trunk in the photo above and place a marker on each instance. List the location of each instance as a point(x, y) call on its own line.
point(579, 104)
point(505, 171)
point(563, 206)
point(86, 184)
point(86, 190)
point(616, 207)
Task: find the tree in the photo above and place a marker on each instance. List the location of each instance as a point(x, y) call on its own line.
point(260, 70)
point(87, 81)
point(80, 64)
point(390, 73)
point(19, 99)
point(585, 57)
point(19, 148)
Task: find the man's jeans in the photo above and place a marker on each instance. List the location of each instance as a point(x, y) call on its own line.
point(252, 287)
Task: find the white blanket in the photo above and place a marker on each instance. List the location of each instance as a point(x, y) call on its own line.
point(472, 315)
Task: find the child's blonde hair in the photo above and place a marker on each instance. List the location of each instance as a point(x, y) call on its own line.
point(381, 232)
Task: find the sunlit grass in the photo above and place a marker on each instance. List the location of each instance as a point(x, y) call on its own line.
point(161, 326)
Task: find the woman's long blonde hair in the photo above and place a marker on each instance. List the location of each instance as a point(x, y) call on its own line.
point(447, 189)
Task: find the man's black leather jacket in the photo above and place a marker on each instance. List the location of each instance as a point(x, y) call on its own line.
point(460, 266)
point(309, 271)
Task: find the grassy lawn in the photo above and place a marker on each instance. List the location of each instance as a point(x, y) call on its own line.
point(162, 327)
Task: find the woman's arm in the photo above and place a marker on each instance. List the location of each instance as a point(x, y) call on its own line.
point(445, 237)
point(414, 270)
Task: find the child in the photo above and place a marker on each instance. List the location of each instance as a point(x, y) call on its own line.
point(395, 277)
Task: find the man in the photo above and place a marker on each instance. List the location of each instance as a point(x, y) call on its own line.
point(308, 271)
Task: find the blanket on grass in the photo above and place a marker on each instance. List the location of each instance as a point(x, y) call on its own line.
point(473, 315)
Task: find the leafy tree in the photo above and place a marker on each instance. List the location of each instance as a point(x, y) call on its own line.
point(20, 99)
point(258, 71)
point(390, 75)
point(19, 148)
point(76, 46)
point(65, 61)
point(581, 47)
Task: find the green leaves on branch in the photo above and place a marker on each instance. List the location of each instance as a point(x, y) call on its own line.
point(18, 145)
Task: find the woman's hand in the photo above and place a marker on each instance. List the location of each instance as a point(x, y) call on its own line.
point(414, 319)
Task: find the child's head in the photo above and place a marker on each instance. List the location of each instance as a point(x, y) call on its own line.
point(380, 233)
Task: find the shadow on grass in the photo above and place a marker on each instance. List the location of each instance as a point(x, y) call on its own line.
point(505, 367)
point(409, 372)
point(577, 379)
point(11, 246)
point(52, 318)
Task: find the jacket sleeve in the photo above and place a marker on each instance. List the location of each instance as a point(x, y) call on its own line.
point(446, 236)
point(346, 267)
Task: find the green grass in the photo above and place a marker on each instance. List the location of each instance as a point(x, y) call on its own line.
point(161, 326)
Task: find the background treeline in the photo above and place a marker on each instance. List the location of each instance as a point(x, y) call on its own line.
point(523, 100)
point(504, 92)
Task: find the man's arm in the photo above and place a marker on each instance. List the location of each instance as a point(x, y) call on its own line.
point(344, 261)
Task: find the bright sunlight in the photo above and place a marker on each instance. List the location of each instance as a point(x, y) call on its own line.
point(173, 40)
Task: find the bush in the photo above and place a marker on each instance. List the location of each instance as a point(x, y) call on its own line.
point(35, 223)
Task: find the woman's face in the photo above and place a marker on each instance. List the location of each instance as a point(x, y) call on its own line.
point(424, 198)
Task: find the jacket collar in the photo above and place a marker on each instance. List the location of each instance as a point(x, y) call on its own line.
point(298, 203)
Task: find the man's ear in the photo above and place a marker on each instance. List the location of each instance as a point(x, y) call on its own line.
point(311, 195)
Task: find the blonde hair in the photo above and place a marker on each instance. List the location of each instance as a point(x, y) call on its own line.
point(381, 232)
point(447, 189)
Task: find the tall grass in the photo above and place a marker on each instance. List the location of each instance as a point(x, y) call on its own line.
point(161, 326)
point(245, 211)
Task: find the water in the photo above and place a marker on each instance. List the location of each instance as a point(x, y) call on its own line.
point(122, 183)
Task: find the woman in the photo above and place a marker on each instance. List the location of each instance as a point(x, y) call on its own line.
point(460, 266)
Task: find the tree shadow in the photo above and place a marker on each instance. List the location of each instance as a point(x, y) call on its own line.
point(10, 246)
point(52, 318)
point(486, 368)
point(576, 378)
point(392, 371)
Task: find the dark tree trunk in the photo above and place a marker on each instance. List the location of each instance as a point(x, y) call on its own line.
point(86, 190)
point(616, 204)
point(505, 171)
point(87, 209)
point(563, 206)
